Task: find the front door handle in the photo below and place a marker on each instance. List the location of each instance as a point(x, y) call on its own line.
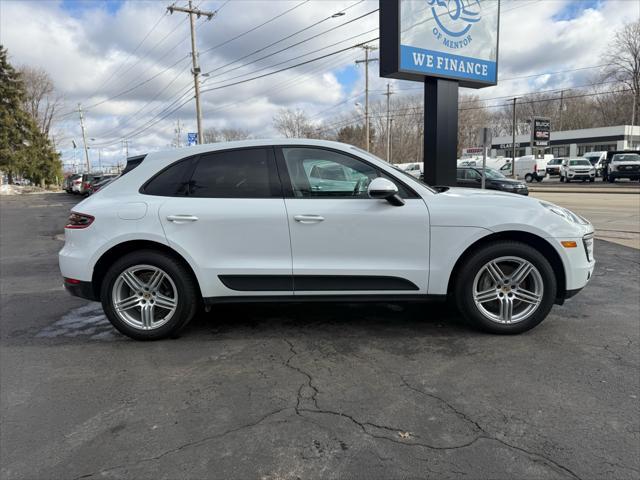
point(308, 218)
point(182, 218)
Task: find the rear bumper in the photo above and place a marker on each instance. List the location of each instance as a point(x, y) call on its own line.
point(80, 289)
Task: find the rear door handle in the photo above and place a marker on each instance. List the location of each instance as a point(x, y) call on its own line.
point(308, 218)
point(182, 218)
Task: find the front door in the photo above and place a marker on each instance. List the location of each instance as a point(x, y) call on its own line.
point(344, 242)
point(231, 221)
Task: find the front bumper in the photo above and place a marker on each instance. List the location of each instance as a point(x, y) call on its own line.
point(573, 175)
point(632, 175)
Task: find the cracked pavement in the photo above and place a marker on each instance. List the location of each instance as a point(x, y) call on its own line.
point(311, 391)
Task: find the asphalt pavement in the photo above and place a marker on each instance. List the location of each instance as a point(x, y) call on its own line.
point(310, 391)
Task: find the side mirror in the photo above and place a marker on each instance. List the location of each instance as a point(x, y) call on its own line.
point(383, 189)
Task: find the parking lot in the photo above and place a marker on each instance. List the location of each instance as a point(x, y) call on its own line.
point(318, 391)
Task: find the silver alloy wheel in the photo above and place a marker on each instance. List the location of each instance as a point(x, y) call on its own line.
point(144, 297)
point(508, 290)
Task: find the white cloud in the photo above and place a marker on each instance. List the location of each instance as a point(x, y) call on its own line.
point(82, 49)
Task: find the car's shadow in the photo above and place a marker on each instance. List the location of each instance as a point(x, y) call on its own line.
point(389, 319)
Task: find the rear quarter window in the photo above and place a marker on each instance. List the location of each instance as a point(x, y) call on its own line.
point(172, 181)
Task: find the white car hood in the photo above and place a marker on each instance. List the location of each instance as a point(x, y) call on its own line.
point(499, 211)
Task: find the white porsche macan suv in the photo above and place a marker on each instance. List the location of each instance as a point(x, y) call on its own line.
point(311, 220)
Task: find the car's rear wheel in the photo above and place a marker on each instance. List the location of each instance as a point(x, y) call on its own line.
point(528, 178)
point(508, 287)
point(148, 295)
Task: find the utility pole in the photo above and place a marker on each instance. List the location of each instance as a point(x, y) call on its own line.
point(367, 49)
point(388, 95)
point(513, 144)
point(125, 149)
point(561, 107)
point(194, 54)
point(178, 132)
point(84, 139)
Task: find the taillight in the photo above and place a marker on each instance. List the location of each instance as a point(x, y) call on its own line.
point(86, 185)
point(79, 220)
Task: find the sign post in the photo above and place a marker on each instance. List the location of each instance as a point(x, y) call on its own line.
point(445, 44)
point(485, 139)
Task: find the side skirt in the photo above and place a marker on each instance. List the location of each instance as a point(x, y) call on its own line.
point(325, 298)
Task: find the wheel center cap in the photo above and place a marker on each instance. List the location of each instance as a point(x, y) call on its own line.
point(506, 289)
point(147, 296)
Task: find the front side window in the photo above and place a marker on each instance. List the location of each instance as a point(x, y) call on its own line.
point(245, 173)
point(316, 172)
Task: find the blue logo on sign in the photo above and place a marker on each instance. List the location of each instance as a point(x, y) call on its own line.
point(192, 139)
point(455, 17)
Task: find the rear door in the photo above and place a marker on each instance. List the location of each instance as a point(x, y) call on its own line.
point(230, 219)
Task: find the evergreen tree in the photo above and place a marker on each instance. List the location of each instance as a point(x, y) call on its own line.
point(24, 149)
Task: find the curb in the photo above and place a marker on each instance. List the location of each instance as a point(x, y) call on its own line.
point(618, 191)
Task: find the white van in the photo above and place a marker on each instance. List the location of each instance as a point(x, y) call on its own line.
point(528, 167)
point(596, 159)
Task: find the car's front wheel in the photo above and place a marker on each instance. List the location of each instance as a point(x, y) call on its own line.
point(507, 287)
point(148, 295)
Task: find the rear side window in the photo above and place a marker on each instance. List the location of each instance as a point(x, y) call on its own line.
point(171, 181)
point(246, 173)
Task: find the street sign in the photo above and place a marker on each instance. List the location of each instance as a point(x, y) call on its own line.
point(192, 139)
point(452, 39)
point(540, 131)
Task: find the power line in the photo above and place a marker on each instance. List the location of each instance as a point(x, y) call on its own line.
point(254, 28)
point(296, 65)
point(290, 46)
point(262, 69)
point(104, 82)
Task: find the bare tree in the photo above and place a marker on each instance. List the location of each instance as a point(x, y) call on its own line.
point(293, 123)
point(472, 116)
point(623, 58)
point(214, 135)
point(41, 100)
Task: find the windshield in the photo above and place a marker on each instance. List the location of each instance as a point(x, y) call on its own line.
point(626, 157)
point(580, 163)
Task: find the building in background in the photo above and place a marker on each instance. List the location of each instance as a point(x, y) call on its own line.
point(573, 143)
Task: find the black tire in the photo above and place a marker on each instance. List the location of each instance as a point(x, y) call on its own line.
point(463, 288)
point(528, 178)
point(591, 180)
point(567, 180)
point(611, 179)
point(539, 179)
point(561, 179)
point(187, 290)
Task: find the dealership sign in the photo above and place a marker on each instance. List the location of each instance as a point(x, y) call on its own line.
point(540, 131)
point(452, 39)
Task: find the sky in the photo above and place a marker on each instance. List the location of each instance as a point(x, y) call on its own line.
point(127, 62)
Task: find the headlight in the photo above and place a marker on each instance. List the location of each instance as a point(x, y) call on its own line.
point(587, 241)
point(568, 215)
point(593, 170)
